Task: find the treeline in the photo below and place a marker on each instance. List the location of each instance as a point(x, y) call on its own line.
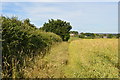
point(93, 35)
point(21, 39)
point(59, 27)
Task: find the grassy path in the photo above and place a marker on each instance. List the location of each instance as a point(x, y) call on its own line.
point(89, 58)
point(93, 58)
point(52, 65)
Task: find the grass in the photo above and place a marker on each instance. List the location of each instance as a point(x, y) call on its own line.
point(73, 38)
point(51, 66)
point(93, 58)
point(79, 58)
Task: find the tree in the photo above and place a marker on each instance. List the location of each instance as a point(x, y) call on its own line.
point(74, 32)
point(59, 27)
point(118, 35)
point(110, 35)
point(27, 21)
point(87, 35)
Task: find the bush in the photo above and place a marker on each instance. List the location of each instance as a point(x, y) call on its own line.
point(21, 39)
point(59, 27)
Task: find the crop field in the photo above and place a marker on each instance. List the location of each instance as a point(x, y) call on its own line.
point(84, 58)
point(93, 58)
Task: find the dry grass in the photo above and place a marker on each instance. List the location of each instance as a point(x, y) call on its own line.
point(93, 58)
point(51, 66)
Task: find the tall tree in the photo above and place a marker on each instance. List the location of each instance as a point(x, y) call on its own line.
point(74, 32)
point(59, 27)
point(27, 21)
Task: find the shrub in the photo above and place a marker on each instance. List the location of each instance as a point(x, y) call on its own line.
point(21, 39)
point(59, 27)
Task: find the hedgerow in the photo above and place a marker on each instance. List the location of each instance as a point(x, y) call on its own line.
point(20, 39)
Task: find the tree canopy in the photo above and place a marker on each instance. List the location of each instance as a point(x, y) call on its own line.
point(74, 32)
point(59, 27)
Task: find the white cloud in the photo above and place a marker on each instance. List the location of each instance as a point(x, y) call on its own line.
point(44, 13)
point(79, 15)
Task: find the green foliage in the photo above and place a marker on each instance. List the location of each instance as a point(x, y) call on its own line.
point(59, 27)
point(97, 35)
point(27, 21)
point(74, 32)
point(87, 35)
point(118, 35)
point(110, 36)
point(21, 39)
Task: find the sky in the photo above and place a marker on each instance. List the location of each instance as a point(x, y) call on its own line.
point(97, 17)
point(59, 0)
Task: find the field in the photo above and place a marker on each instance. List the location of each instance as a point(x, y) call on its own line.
point(93, 58)
point(81, 58)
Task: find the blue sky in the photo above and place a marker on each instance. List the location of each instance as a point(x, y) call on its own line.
point(98, 17)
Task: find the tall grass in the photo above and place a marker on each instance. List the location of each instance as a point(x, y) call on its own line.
point(84, 58)
point(93, 58)
point(73, 38)
point(52, 65)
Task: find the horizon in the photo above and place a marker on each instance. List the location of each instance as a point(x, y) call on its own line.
point(92, 17)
